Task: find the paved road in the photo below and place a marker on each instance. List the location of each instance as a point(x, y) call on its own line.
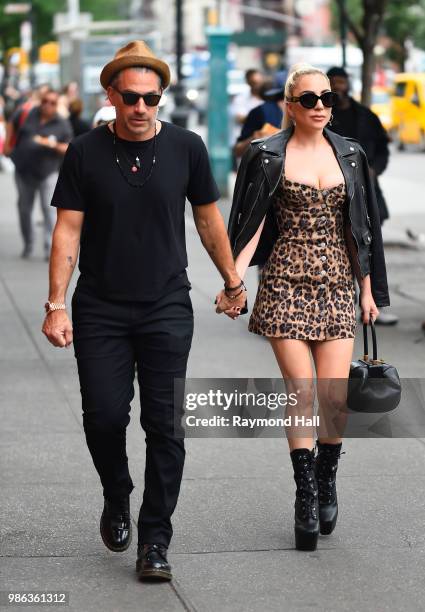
point(233, 546)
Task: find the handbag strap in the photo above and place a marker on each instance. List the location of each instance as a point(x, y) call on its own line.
point(365, 342)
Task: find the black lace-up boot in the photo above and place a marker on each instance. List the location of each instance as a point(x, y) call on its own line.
point(326, 465)
point(306, 500)
point(115, 524)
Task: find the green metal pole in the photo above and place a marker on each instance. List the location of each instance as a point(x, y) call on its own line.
point(218, 107)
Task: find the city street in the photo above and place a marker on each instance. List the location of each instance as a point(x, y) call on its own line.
point(233, 545)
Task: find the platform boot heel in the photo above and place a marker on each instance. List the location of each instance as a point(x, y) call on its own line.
point(306, 500)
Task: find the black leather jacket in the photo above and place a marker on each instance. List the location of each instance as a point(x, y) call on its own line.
point(258, 177)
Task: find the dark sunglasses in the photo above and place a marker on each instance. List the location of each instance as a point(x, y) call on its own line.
point(130, 98)
point(310, 99)
point(49, 101)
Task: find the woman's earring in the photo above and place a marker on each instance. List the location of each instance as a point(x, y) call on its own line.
point(330, 119)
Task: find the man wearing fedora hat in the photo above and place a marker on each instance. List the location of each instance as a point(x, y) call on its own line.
point(120, 201)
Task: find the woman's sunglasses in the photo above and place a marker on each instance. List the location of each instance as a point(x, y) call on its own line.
point(130, 98)
point(310, 99)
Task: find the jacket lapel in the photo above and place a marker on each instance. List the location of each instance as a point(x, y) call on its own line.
point(347, 158)
point(273, 151)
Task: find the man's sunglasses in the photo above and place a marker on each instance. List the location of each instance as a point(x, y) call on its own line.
point(310, 99)
point(130, 98)
point(49, 101)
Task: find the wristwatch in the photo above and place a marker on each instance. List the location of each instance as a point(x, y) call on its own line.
point(52, 306)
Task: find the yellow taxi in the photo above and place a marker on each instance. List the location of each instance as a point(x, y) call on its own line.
point(408, 109)
point(381, 106)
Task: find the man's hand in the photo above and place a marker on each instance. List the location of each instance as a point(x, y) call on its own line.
point(228, 306)
point(58, 328)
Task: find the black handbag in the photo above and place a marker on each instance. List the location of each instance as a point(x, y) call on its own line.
point(373, 385)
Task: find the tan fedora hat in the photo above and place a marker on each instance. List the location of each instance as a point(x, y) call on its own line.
point(135, 53)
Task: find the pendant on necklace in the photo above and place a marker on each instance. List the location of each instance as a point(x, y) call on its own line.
point(136, 165)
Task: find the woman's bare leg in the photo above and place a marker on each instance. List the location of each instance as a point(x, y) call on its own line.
point(332, 360)
point(294, 360)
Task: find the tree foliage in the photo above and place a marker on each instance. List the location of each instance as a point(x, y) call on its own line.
point(44, 11)
point(403, 20)
point(364, 18)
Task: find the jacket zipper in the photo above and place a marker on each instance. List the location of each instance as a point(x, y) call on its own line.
point(250, 212)
point(352, 233)
point(365, 207)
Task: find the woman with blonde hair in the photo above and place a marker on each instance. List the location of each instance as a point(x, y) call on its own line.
point(305, 208)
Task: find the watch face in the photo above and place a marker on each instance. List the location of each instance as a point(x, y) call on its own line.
point(47, 306)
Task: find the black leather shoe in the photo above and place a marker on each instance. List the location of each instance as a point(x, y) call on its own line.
point(326, 465)
point(115, 524)
point(152, 563)
point(306, 500)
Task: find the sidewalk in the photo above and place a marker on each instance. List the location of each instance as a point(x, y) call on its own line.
point(233, 548)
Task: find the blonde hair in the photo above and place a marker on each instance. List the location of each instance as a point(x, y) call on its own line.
point(295, 72)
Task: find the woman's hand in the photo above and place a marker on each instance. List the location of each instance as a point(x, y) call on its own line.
point(368, 306)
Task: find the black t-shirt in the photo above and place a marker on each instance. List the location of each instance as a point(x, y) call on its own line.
point(133, 243)
point(31, 158)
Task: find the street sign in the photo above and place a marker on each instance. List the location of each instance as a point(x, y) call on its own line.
point(17, 8)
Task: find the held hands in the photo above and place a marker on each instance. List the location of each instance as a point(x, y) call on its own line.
point(231, 299)
point(368, 306)
point(58, 328)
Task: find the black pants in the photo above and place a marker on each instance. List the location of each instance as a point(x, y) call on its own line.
point(110, 339)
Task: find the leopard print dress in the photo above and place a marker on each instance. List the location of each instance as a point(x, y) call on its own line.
point(306, 290)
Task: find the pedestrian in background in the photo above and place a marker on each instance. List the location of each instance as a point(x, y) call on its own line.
point(352, 119)
point(18, 117)
point(244, 102)
point(79, 125)
point(104, 114)
point(266, 118)
point(128, 182)
point(70, 92)
point(40, 146)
